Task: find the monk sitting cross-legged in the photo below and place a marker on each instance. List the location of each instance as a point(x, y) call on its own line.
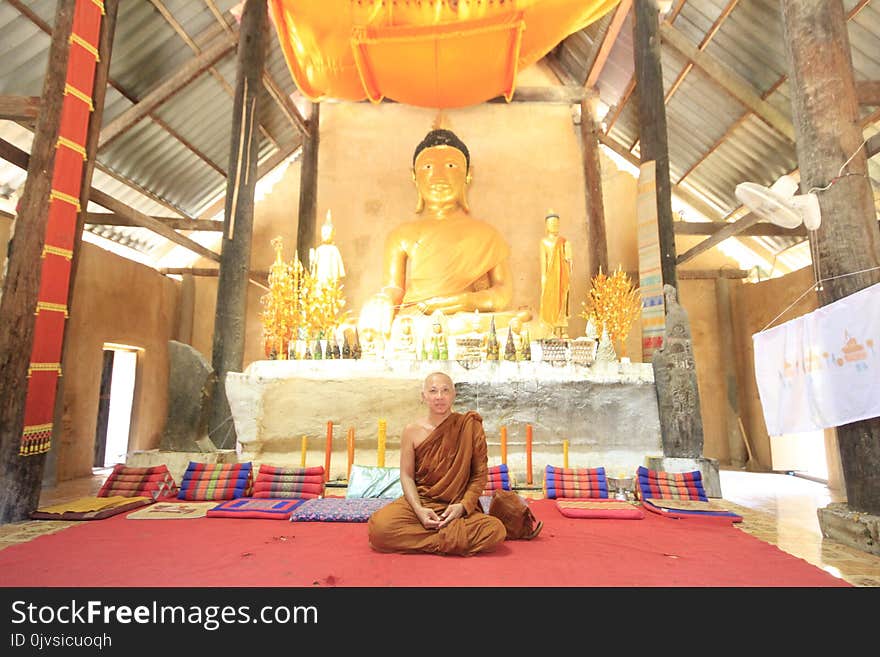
point(443, 470)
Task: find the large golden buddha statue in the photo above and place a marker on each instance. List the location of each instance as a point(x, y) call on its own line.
point(446, 259)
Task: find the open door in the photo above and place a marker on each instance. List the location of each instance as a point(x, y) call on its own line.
point(115, 405)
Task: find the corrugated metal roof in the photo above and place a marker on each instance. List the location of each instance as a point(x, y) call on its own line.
point(173, 162)
point(714, 141)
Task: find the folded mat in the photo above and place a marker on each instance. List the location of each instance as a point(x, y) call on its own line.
point(172, 511)
point(130, 481)
point(280, 482)
point(90, 508)
point(599, 508)
point(216, 481)
point(575, 483)
point(338, 509)
point(249, 507)
point(679, 495)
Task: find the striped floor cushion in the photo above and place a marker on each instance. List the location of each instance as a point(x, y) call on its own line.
point(679, 495)
point(280, 482)
point(216, 481)
point(338, 509)
point(128, 481)
point(575, 483)
point(249, 507)
point(500, 478)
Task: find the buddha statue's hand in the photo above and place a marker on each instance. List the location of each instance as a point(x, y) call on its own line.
point(447, 304)
point(377, 314)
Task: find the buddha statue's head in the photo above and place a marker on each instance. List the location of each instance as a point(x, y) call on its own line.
point(327, 231)
point(551, 223)
point(441, 171)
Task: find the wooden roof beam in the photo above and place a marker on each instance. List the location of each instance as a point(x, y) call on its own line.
point(219, 48)
point(732, 83)
point(23, 109)
point(608, 39)
point(176, 223)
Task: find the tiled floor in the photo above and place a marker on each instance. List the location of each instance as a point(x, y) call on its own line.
point(776, 508)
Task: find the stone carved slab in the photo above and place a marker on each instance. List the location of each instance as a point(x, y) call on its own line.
point(675, 373)
point(608, 414)
point(190, 381)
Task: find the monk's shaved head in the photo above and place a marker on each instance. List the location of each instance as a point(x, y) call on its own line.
point(442, 375)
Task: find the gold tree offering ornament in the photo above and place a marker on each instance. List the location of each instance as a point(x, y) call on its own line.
point(280, 305)
point(614, 304)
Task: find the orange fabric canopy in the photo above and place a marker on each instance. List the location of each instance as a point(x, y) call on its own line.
point(428, 53)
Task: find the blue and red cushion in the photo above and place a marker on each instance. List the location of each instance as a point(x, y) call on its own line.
point(575, 483)
point(249, 507)
point(678, 495)
point(216, 481)
point(499, 478)
point(280, 482)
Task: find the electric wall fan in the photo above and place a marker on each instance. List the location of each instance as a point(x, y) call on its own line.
point(779, 204)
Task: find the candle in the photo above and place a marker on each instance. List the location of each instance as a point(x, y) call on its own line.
point(328, 450)
point(302, 459)
point(380, 458)
point(529, 454)
point(504, 445)
point(350, 450)
point(565, 454)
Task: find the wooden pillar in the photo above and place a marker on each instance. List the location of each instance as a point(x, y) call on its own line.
point(229, 321)
point(21, 476)
point(186, 306)
point(597, 243)
point(727, 349)
point(102, 74)
point(825, 112)
point(308, 188)
point(652, 125)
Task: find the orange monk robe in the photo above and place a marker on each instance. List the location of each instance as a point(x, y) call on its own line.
point(447, 256)
point(450, 467)
point(554, 297)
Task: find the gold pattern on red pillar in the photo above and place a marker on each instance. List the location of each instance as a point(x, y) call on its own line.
point(64, 206)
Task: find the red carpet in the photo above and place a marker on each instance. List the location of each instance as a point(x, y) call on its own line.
point(213, 552)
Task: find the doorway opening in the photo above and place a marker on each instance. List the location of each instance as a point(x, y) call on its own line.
point(115, 404)
point(801, 454)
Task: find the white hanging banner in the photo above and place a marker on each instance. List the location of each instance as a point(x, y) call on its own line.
point(823, 369)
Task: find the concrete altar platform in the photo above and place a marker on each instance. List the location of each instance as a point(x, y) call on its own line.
point(607, 412)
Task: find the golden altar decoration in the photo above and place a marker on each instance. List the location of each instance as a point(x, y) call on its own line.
point(428, 53)
point(613, 305)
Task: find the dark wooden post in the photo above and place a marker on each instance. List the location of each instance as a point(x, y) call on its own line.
point(102, 74)
point(652, 125)
point(21, 476)
point(308, 188)
point(229, 322)
point(727, 349)
point(825, 111)
point(597, 243)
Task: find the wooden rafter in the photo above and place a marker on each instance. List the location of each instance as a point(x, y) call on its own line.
point(163, 91)
point(188, 40)
point(113, 219)
point(607, 43)
point(868, 92)
point(710, 33)
point(713, 227)
point(731, 82)
point(28, 13)
point(19, 158)
point(19, 108)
